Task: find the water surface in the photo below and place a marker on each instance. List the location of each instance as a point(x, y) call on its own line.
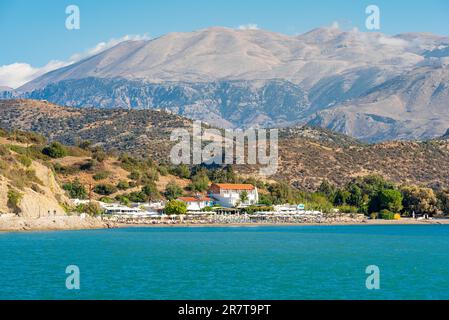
point(305, 262)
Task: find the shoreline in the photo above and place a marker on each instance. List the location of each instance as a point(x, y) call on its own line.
point(325, 224)
point(69, 223)
point(9, 223)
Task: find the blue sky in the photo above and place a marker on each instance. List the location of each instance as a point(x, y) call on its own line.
point(34, 32)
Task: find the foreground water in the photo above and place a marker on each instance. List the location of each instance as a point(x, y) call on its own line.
point(228, 263)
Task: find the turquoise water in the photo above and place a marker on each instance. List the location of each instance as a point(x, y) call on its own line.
point(228, 263)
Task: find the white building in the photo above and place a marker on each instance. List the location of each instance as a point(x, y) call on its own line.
point(118, 209)
point(288, 208)
point(230, 195)
point(197, 203)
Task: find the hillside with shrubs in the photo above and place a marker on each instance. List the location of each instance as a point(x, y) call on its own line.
point(307, 155)
point(121, 155)
point(38, 177)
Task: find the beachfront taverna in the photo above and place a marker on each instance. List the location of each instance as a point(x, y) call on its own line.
point(230, 195)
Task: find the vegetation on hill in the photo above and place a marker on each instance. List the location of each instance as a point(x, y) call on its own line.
point(321, 169)
point(307, 155)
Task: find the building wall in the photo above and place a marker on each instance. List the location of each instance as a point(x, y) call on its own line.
point(230, 198)
point(198, 206)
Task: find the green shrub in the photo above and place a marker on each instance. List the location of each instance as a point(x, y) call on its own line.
point(200, 182)
point(265, 199)
point(124, 200)
point(137, 197)
point(386, 215)
point(135, 175)
point(254, 209)
point(106, 200)
point(93, 209)
point(99, 155)
point(4, 151)
point(55, 150)
point(149, 176)
point(101, 175)
point(348, 209)
point(163, 170)
point(3, 133)
point(77, 152)
point(151, 192)
point(75, 190)
point(17, 149)
point(14, 198)
point(88, 165)
point(123, 185)
point(84, 144)
point(104, 189)
point(173, 191)
point(59, 168)
point(25, 160)
point(181, 171)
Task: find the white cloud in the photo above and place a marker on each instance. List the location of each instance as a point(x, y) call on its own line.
point(249, 26)
point(106, 45)
point(390, 41)
point(17, 74)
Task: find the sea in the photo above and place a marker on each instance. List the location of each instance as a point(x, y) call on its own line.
point(232, 263)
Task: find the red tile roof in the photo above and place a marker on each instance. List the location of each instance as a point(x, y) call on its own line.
point(194, 199)
point(235, 186)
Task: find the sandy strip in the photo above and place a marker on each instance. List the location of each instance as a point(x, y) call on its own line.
point(14, 224)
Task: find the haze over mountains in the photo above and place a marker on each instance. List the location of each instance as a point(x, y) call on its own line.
point(368, 85)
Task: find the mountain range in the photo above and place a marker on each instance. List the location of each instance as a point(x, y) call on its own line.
point(370, 86)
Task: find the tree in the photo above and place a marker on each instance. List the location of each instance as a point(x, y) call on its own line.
point(281, 193)
point(390, 200)
point(75, 190)
point(341, 197)
point(355, 197)
point(419, 200)
point(200, 182)
point(150, 190)
point(172, 191)
point(443, 200)
point(244, 197)
point(175, 207)
point(55, 150)
point(327, 189)
point(93, 209)
point(181, 171)
point(319, 202)
point(370, 185)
